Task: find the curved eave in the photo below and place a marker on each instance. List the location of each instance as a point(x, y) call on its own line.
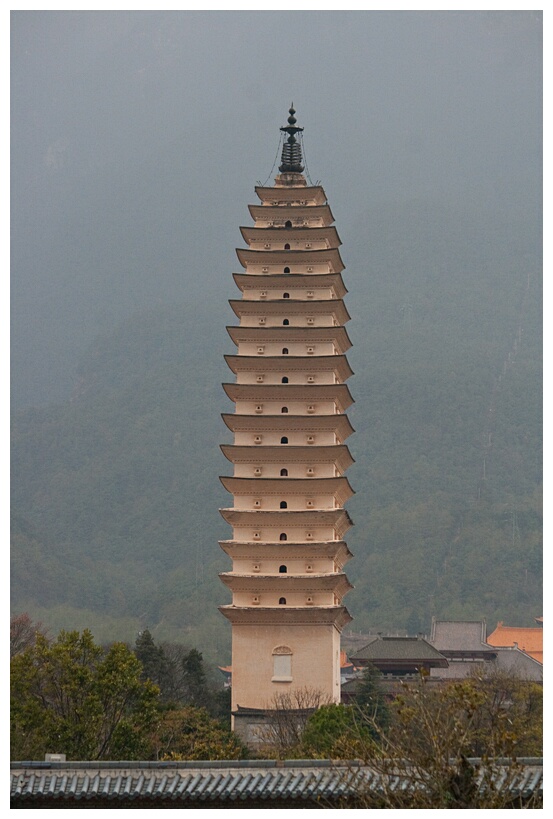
point(284, 550)
point(337, 616)
point(336, 582)
point(309, 335)
point(289, 281)
point(327, 234)
point(339, 487)
point(337, 518)
point(337, 454)
point(340, 424)
point(339, 393)
point(284, 258)
point(337, 364)
point(274, 213)
point(294, 307)
point(301, 193)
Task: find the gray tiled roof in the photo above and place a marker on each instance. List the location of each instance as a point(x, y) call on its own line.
point(397, 648)
point(224, 781)
point(459, 635)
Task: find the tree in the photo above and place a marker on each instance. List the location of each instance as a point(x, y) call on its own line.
point(155, 665)
point(196, 690)
point(334, 730)
point(287, 717)
point(23, 633)
point(434, 733)
point(71, 696)
point(371, 700)
point(190, 733)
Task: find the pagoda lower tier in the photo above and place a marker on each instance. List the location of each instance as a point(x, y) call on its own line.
point(256, 556)
point(298, 461)
point(291, 493)
point(336, 395)
point(269, 526)
point(300, 589)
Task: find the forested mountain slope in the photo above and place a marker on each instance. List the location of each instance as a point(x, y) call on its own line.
point(116, 491)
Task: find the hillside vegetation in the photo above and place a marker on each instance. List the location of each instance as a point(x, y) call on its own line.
point(116, 490)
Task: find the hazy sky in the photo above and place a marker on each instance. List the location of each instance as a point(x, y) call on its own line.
point(137, 138)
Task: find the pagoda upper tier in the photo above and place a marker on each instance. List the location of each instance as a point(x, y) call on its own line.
point(295, 196)
point(272, 216)
point(335, 336)
point(299, 238)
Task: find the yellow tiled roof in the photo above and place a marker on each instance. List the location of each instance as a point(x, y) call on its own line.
point(529, 640)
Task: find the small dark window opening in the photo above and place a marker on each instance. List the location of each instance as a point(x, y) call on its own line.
point(285, 351)
point(285, 322)
point(283, 536)
point(283, 505)
point(283, 570)
point(284, 440)
point(284, 379)
point(283, 473)
point(286, 269)
point(284, 409)
point(288, 223)
point(286, 246)
point(282, 601)
point(286, 295)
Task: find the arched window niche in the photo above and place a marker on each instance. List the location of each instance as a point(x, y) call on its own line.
point(284, 379)
point(283, 505)
point(283, 536)
point(283, 569)
point(282, 663)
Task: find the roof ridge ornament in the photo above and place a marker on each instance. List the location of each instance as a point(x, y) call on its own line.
point(291, 159)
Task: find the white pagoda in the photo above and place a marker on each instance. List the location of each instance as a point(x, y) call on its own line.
point(289, 455)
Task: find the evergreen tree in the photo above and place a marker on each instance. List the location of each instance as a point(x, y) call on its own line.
point(371, 699)
point(195, 684)
point(155, 665)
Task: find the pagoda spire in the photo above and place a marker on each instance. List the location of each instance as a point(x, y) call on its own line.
point(291, 159)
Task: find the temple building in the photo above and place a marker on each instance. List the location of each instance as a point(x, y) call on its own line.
point(289, 455)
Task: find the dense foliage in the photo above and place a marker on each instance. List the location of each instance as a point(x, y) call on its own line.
point(191, 733)
point(73, 697)
point(435, 732)
point(428, 735)
point(116, 491)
